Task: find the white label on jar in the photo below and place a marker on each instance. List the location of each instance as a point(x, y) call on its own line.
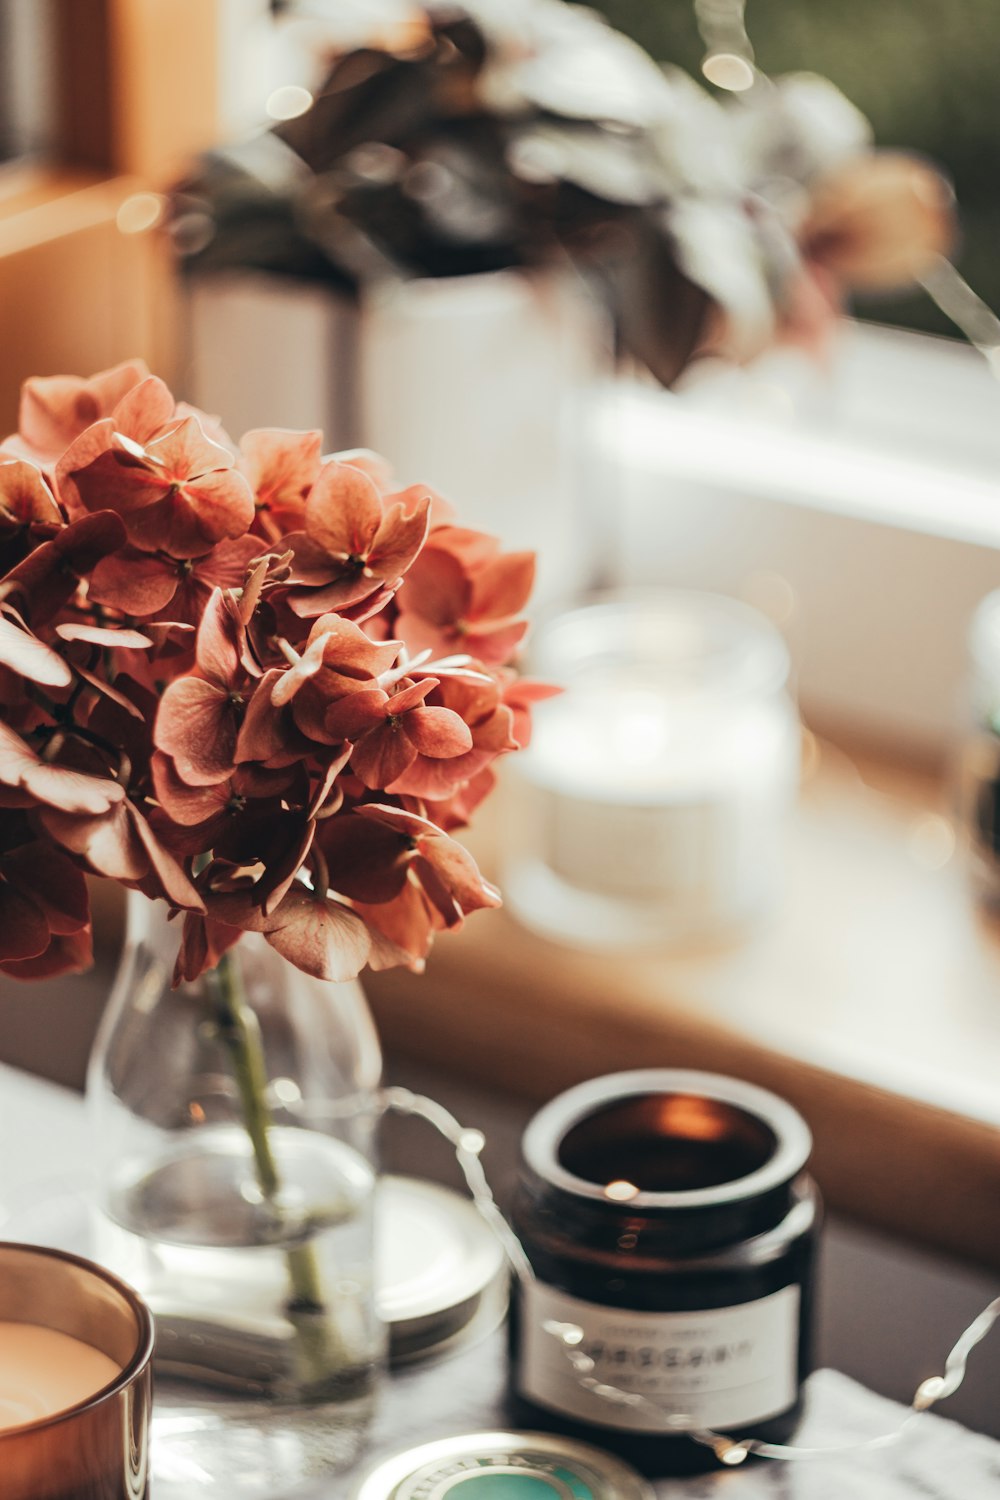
point(720, 1368)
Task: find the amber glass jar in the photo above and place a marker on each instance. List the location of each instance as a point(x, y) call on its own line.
point(97, 1449)
point(671, 1228)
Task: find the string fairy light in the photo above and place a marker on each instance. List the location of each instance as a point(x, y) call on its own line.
point(468, 1146)
point(733, 1451)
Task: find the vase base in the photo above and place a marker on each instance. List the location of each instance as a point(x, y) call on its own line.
point(250, 1449)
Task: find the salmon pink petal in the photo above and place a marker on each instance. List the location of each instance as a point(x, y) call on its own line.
point(308, 664)
point(456, 811)
point(228, 563)
point(268, 734)
point(356, 713)
point(185, 454)
point(203, 942)
point(438, 732)
point(29, 657)
point(25, 498)
point(282, 870)
point(448, 911)
point(366, 861)
point(24, 932)
point(187, 805)
point(497, 644)
point(196, 725)
point(412, 696)
point(109, 690)
point(343, 512)
point(382, 755)
point(281, 468)
point(54, 409)
point(437, 588)
point(459, 873)
point(378, 469)
point(167, 877)
point(502, 589)
point(406, 922)
point(218, 647)
point(187, 520)
point(50, 576)
point(355, 588)
point(409, 824)
point(109, 844)
point(53, 882)
point(145, 410)
point(310, 565)
point(320, 936)
point(104, 635)
point(118, 476)
point(57, 786)
point(398, 540)
point(137, 583)
point(473, 549)
point(439, 780)
point(64, 955)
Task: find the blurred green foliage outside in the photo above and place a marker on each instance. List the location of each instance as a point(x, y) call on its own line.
point(925, 72)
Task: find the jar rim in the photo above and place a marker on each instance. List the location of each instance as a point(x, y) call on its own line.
point(680, 636)
point(548, 1129)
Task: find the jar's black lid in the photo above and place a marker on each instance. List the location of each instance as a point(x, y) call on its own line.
point(504, 1466)
point(776, 1163)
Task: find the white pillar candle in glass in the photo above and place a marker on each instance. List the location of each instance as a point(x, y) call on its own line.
point(651, 804)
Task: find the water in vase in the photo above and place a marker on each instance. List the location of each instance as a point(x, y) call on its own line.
point(266, 1335)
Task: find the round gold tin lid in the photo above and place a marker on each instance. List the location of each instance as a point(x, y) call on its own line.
point(504, 1466)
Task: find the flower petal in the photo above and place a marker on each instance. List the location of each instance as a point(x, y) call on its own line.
point(25, 498)
point(137, 583)
point(502, 589)
point(145, 410)
point(50, 576)
point(319, 936)
point(356, 713)
point(343, 511)
point(438, 732)
point(399, 539)
point(104, 635)
point(196, 725)
point(24, 932)
point(57, 786)
point(64, 955)
point(382, 754)
point(29, 657)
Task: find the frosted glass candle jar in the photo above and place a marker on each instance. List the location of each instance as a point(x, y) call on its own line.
point(652, 802)
point(76, 1347)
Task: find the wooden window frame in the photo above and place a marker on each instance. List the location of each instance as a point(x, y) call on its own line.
point(135, 95)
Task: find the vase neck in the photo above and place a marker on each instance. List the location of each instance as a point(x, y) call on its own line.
point(146, 923)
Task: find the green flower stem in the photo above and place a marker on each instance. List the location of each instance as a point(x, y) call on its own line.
point(239, 1031)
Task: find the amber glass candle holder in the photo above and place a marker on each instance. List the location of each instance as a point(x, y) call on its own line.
point(671, 1225)
point(97, 1448)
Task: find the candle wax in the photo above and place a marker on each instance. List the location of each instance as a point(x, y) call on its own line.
point(43, 1371)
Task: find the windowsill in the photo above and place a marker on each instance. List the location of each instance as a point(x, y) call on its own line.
point(871, 1000)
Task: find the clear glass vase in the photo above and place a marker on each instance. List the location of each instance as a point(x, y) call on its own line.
point(234, 1126)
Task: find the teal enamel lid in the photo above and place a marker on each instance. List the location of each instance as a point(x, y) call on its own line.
point(504, 1466)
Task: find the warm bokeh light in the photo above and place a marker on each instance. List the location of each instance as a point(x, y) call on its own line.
point(288, 102)
point(621, 1192)
point(139, 212)
point(728, 71)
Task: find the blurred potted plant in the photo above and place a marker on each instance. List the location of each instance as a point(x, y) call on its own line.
point(467, 171)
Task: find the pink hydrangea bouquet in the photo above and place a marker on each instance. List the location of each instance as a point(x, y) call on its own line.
point(253, 681)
